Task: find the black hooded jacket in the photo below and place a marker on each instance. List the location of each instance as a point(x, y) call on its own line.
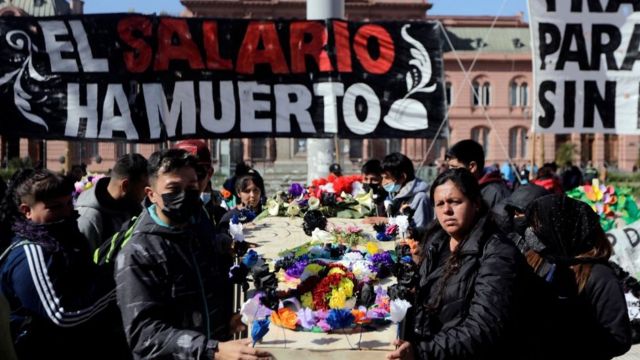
point(482, 302)
point(168, 282)
point(593, 323)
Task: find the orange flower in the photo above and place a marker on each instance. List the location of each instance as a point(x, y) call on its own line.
point(225, 193)
point(360, 316)
point(285, 318)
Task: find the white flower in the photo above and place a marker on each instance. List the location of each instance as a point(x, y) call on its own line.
point(314, 203)
point(403, 224)
point(365, 199)
point(362, 270)
point(352, 256)
point(235, 230)
point(273, 207)
point(321, 235)
point(293, 210)
point(399, 309)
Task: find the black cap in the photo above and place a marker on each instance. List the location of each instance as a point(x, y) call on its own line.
point(335, 168)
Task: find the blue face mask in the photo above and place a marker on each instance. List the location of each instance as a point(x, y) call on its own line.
point(205, 197)
point(392, 187)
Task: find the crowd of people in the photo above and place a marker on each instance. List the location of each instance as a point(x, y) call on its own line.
point(502, 273)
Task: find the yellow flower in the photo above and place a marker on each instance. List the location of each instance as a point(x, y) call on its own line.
point(313, 269)
point(347, 286)
point(338, 299)
point(372, 248)
point(307, 300)
point(336, 270)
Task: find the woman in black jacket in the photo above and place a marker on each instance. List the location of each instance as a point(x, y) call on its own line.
point(465, 304)
point(570, 251)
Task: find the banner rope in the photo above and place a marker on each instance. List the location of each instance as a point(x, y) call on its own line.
point(467, 79)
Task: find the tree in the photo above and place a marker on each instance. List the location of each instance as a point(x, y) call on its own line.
point(565, 153)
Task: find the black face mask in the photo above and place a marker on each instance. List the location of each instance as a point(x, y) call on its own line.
point(520, 225)
point(181, 206)
point(373, 187)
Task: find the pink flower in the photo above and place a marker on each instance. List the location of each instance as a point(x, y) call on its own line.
point(352, 229)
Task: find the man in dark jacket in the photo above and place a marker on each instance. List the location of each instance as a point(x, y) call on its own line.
point(167, 275)
point(469, 154)
point(113, 201)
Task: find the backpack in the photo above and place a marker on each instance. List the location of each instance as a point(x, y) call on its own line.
point(108, 250)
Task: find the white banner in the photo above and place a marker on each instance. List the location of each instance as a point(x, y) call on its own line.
point(626, 247)
point(585, 65)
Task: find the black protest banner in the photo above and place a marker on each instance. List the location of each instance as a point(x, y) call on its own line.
point(586, 66)
point(147, 78)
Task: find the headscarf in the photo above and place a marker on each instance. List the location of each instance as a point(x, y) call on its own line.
point(566, 227)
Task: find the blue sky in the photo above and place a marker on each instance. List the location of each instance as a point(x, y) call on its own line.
point(440, 7)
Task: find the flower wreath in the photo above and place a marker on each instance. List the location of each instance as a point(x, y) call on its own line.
point(333, 290)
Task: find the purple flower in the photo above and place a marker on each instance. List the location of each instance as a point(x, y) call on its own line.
point(382, 259)
point(297, 268)
point(306, 318)
point(296, 190)
point(376, 313)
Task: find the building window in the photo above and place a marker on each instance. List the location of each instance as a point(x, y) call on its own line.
point(120, 149)
point(518, 142)
point(476, 93)
point(524, 95)
point(299, 146)
point(394, 145)
point(259, 148)
point(481, 93)
point(518, 93)
point(480, 134)
point(355, 149)
point(513, 94)
point(447, 92)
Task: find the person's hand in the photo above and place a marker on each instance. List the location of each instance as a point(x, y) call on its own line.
point(375, 220)
point(236, 325)
point(403, 351)
point(239, 350)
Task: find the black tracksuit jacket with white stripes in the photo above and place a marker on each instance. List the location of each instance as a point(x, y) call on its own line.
point(56, 294)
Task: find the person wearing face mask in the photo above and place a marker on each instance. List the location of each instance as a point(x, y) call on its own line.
point(570, 251)
point(57, 295)
point(371, 182)
point(113, 201)
point(168, 279)
point(509, 214)
point(405, 190)
point(211, 200)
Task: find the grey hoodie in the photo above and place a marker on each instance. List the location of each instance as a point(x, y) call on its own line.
point(100, 215)
point(414, 193)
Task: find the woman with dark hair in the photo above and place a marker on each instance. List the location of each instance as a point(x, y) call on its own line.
point(249, 191)
point(570, 251)
point(466, 299)
point(57, 295)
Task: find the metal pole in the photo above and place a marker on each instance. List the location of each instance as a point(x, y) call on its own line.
point(320, 152)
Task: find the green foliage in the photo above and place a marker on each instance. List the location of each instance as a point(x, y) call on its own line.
point(14, 165)
point(565, 153)
point(624, 179)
